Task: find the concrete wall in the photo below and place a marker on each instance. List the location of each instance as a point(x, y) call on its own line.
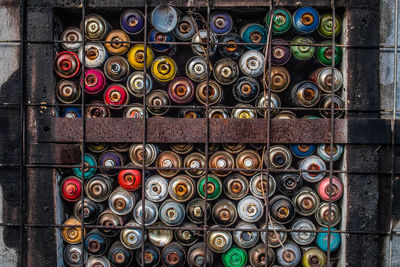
point(9, 60)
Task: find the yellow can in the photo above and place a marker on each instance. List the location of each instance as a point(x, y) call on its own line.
point(115, 47)
point(164, 69)
point(313, 257)
point(136, 57)
point(72, 234)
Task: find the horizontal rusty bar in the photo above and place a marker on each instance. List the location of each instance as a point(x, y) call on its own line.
point(177, 130)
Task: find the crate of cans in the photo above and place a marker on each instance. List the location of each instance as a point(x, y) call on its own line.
point(196, 204)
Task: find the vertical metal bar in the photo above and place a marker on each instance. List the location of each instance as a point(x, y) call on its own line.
point(266, 153)
point(206, 145)
point(22, 125)
point(144, 128)
point(83, 127)
point(393, 128)
point(332, 133)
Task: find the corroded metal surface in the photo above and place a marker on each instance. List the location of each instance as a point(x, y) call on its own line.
point(176, 130)
point(173, 130)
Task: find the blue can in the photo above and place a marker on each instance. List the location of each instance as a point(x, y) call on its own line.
point(165, 18)
point(88, 162)
point(132, 21)
point(306, 20)
point(162, 40)
point(221, 23)
point(71, 112)
point(95, 243)
point(302, 150)
point(323, 151)
point(322, 240)
point(254, 33)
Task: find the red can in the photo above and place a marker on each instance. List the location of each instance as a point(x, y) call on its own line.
point(335, 190)
point(130, 179)
point(71, 188)
point(67, 64)
point(94, 80)
point(116, 96)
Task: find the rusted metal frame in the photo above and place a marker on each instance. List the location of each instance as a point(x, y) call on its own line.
point(207, 128)
point(167, 130)
point(393, 128)
point(23, 129)
point(83, 135)
point(172, 130)
point(332, 131)
point(143, 226)
point(365, 210)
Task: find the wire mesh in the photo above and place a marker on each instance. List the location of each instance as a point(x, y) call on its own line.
point(22, 166)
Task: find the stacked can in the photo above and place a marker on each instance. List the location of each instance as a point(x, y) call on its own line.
point(303, 200)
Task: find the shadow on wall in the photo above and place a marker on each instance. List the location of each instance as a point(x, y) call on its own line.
point(10, 148)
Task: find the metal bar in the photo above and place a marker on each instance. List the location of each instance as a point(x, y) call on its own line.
point(267, 117)
point(93, 226)
point(207, 137)
point(190, 43)
point(83, 134)
point(174, 130)
point(22, 125)
point(332, 128)
point(43, 166)
point(143, 227)
point(393, 128)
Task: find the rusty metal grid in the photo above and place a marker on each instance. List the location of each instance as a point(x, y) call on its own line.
point(332, 131)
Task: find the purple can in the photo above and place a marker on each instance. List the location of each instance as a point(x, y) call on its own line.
point(109, 159)
point(221, 23)
point(181, 90)
point(280, 52)
point(132, 21)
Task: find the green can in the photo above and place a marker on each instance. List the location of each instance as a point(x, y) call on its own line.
point(281, 21)
point(214, 187)
point(325, 27)
point(234, 257)
point(324, 54)
point(302, 48)
point(89, 161)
